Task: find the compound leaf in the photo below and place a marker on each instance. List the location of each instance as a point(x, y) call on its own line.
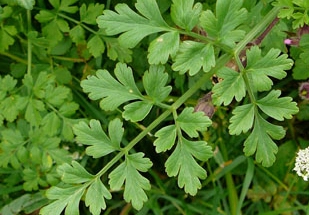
point(260, 141)
point(73, 174)
point(184, 14)
point(154, 82)
point(242, 119)
point(166, 137)
point(193, 56)
point(260, 67)
point(132, 26)
point(164, 46)
point(222, 26)
point(96, 195)
point(277, 108)
point(135, 183)
point(233, 85)
point(93, 135)
point(112, 92)
point(182, 163)
point(191, 122)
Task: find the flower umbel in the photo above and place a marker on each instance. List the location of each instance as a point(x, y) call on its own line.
point(302, 163)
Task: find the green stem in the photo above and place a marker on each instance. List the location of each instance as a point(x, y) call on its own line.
point(29, 50)
point(78, 23)
point(257, 30)
point(14, 57)
point(134, 142)
point(75, 60)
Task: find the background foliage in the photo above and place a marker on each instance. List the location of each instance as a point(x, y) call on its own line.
point(153, 106)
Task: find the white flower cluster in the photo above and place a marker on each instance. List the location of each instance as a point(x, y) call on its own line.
point(302, 163)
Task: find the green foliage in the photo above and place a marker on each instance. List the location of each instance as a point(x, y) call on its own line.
point(295, 9)
point(126, 144)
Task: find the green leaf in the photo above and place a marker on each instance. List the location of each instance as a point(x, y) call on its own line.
point(242, 119)
point(77, 33)
point(132, 26)
point(65, 5)
point(27, 4)
point(300, 70)
point(286, 6)
point(166, 137)
point(10, 141)
point(223, 25)
point(191, 122)
point(277, 108)
point(114, 93)
point(116, 51)
point(154, 82)
point(68, 109)
point(8, 83)
point(89, 14)
point(56, 96)
point(260, 141)
point(184, 14)
point(51, 123)
point(135, 184)
point(93, 135)
point(233, 85)
point(136, 111)
point(162, 47)
point(193, 56)
point(11, 106)
point(74, 174)
point(68, 197)
point(6, 40)
point(182, 163)
point(33, 111)
point(96, 195)
point(96, 46)
point(260, 68)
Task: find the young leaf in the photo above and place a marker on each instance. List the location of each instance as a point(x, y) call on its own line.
point(277, 108)
point(96, 195)
point(184, 14)
point(74, 174)
point(229, 15)
point(132, 26)
point(191, 122)
point(193, 56)
point(182, 163)
point(259, 68)
point(65, 5)
point(164, 46)
point(89, 14)
point(96, 45)
point(233, 85)
point(242, 119)
point(166, 137)
point(154, 82)
point(112, 92)
point(135, 184)
point(93, 135)
point(260, 141)
point(68, 197)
